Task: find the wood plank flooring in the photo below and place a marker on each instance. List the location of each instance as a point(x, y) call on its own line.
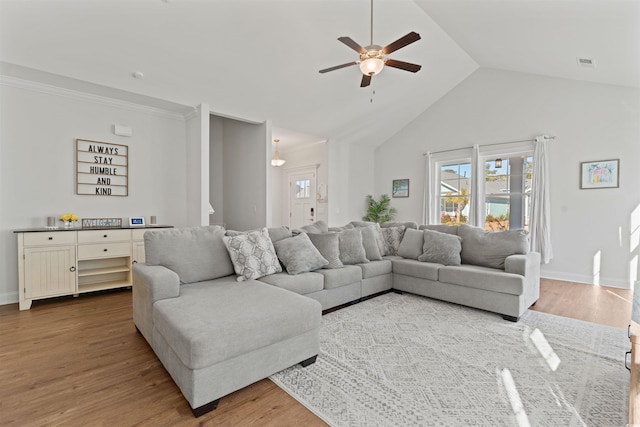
point(80, 362)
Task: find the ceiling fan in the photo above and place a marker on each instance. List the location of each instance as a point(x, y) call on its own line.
point(373, 57)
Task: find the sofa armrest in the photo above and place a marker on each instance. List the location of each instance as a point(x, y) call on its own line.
point(524, 265)
point(527, 265)
point(151, 283)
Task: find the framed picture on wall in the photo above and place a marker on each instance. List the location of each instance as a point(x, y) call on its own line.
point(400, 188)
point(600, 174)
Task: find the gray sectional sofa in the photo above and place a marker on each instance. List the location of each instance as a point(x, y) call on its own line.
point(202, 304)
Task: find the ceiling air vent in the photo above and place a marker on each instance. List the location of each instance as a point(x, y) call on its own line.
point(586, 62)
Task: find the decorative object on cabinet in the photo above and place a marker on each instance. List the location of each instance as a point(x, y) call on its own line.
point(136, 221)
point(68, 219)
point(71, 262)
point(600, 174)
point(102, 168)
point(101, 222)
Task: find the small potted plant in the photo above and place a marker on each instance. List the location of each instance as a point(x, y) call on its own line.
point(68, 219)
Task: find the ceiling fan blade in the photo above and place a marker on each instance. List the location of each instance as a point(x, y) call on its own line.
point(366, 80)
point(337, 67)
point(353, 45)
point(407, 66)
point(401, 42)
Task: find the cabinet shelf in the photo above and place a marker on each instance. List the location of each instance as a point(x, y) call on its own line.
point(103, 270)
point(103, 285)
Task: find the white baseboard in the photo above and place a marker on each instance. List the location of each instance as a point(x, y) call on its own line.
point(579, 278)
point(8, 298)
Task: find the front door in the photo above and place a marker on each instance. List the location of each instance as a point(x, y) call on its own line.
point(302, 198)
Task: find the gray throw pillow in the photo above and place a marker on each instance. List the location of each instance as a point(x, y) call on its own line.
point(441, 248)
point(193, 253)
point(329, 246)
point(442, 228)
point(351, 249)
point(490, 248)
point(411, 245)
point(392, 238)
point(407, 224)
point(252, 254)
point(298, 254)
point(279, 233)
point(316, 227)
point(370, 243)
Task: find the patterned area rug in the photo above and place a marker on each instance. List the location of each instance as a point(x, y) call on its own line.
point(405, 360)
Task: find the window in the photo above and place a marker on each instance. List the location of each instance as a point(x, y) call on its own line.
point(303, 189)
point(507, 191)
point(455, 189)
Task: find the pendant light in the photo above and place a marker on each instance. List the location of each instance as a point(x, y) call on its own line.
point(277, 161)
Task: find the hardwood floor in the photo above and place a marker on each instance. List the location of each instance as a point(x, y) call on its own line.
point(79, 361)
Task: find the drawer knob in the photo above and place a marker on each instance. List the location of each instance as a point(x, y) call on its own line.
point(105, 250)
point(50, 238)
point(72, 269)
point(105, 236)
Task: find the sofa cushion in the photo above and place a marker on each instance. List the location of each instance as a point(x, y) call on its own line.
point(339, 229)
point(441, 248)
point(329, 246)
point(489, 279)
point(490, 248)
point(411, 245)
point(252, 254)
point(316, 227)
point(442, 228)
point(376, 268)
point(370, 243)
point(351, 248)
point(247, 316)
point(298, 254)
point(392, 238)
point(415, 268)
point(193, 253)
point(303, 283)
point(407, 224)
point(341, 276)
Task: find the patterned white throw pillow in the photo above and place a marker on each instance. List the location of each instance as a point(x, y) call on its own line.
point(252, 255)
point(392, 238)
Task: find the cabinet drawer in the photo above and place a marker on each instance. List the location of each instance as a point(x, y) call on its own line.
point(106, 250)
point(50, 238)
point(99, 236)
point(137, 234)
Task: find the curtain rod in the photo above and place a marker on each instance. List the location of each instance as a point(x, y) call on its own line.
point(487, 145)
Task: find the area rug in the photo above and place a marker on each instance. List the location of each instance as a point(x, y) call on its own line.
point(405, 360)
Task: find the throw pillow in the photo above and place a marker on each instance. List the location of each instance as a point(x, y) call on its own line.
point(408, 224)
point(490, 248)
point(279, 233)
point(441, 248)
point(370, 243)
point(329, 246)
point(316, 227)
point(442, 228)
point(252, 254)
point(411, 245)
point(351, 249)
point(193, 253)
point(339, 229)
point(298, 254)
point(392, 238)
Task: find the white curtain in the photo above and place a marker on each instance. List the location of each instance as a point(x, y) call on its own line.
point(477, 188)
point(429, 206)
point(540, 224)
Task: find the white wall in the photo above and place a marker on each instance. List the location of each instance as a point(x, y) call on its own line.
point(245, 174)
point(591, 122)
point(38, 129)
point(216, 168)
point(351, 177)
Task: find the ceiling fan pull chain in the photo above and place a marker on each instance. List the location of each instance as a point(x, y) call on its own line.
point(371, 43)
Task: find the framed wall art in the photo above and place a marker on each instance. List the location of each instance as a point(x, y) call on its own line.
point(400, 188)
point(600, 174)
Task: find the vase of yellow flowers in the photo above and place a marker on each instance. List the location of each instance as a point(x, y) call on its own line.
point(68, 219)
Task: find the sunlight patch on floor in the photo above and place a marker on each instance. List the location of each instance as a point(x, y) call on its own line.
point(514, 398)
point(545, 349)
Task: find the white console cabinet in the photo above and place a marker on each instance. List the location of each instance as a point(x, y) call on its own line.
point(70, 262)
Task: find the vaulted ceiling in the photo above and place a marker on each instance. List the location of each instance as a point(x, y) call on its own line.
point(259, 59)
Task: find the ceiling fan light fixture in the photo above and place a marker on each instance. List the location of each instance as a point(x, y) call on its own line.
point(371, 66)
